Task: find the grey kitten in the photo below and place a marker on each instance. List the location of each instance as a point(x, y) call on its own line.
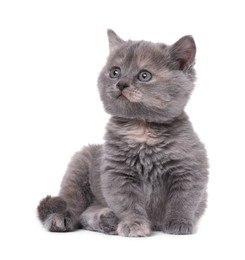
point(151, 172)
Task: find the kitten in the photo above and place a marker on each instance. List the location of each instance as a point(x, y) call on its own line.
point(151, 172)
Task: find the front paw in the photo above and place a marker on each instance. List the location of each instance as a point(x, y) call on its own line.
point(108, 221)
point(178, 227)
point(133, 228)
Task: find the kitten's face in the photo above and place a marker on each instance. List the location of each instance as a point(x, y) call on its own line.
point(148, 81)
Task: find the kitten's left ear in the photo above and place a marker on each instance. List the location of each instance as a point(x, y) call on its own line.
point(183, 52)
point(114, 40)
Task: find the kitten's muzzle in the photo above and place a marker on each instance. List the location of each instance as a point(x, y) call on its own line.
point(122, 85)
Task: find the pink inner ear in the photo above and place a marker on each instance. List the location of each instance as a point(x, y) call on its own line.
point(184, 51)
point(187, 58)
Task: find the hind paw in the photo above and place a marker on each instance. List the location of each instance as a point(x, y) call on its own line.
point(53, 213)
point(50, 205)
point(59, 223)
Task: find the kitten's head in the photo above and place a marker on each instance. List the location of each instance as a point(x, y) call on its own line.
point(145, 80)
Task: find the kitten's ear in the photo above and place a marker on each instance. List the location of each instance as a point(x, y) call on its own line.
point(183, 52)
point(114, 40)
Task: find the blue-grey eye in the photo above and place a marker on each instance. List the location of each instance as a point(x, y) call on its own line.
point(115, 72)
point(144, 76)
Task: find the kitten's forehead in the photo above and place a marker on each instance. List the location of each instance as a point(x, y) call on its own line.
point(141, 54)
point(149, 52)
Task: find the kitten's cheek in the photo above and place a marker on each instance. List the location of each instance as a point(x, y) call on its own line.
point(117, 95)
point(111, 94)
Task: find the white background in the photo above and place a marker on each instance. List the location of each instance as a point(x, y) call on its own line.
point(50, 55)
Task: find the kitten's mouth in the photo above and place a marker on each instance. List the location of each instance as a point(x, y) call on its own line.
point(121, 96)
point(132, 96)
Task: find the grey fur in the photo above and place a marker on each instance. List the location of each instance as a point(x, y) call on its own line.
point(151, 172)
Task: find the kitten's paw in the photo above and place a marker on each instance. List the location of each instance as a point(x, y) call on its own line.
point(53, 213)
point(59, 223)
point(178, 227)
point(108, 221)
point(133, 228)
point(50, 205)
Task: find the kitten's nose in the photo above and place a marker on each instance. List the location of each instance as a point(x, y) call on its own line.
point(122, 85)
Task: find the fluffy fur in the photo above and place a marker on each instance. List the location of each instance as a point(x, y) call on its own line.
point(151, 172)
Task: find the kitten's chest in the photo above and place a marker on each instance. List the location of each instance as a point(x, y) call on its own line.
point(145, 161)
point(140, 134)
point(149, 169)
point(144, 148)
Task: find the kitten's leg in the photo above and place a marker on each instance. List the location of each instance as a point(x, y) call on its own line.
point(99, 218)
point(201, 206)
point(125, 197)
point(62, 213)
point(185, 192)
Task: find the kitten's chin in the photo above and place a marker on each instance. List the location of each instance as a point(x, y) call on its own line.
point(130, 106)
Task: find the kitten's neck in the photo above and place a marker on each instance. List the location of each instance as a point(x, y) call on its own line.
point(135, 131)
point(122, 120)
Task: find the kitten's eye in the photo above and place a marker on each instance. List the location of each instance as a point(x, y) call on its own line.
point(144, 76)
point(115, 72)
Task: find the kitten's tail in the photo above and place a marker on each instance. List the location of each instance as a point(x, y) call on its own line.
point(53, 213)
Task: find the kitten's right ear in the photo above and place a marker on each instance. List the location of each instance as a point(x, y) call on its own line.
point(183, 52)
point(114, 40)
